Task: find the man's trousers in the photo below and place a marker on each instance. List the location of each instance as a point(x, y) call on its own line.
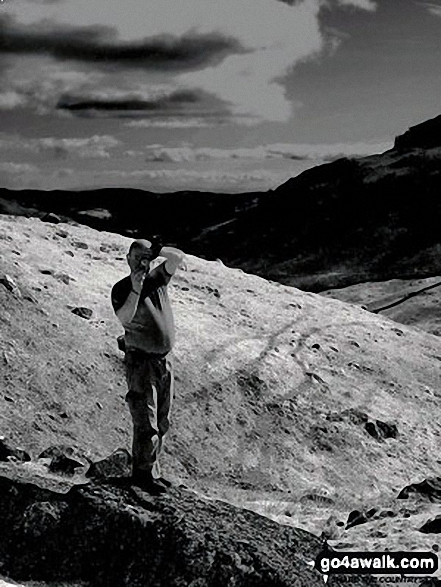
point(150, 383)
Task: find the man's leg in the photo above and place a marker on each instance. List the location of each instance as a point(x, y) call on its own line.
point(142, 400)
point(165, 399)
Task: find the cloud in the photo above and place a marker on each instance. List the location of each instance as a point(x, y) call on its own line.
point(370, 5)
point(236, 50)
point(18, 168)
point(97, 146)
point(129, 102)
point(174, 122)
point(433, 8)
point(99, 44)
point(159, 153)
point(10, 100)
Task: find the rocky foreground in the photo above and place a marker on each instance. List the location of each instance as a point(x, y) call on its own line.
point(107, 533)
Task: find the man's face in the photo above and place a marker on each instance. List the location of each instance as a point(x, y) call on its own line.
point(139, 258)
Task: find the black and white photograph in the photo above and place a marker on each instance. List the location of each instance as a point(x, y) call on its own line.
point(220, 293)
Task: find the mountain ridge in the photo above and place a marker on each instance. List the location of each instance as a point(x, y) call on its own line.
point(334, 225)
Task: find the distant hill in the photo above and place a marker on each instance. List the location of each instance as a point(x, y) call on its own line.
point(345, 222)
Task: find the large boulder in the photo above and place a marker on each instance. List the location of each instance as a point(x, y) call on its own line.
point(120, 536)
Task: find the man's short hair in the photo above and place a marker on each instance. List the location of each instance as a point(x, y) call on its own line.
point(140, 243)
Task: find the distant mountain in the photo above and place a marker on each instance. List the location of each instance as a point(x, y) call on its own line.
point(352, 220)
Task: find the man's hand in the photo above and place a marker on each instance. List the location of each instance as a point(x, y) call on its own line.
point(137, 278)
point(174, 258)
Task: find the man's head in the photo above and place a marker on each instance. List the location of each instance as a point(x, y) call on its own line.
point(141, 254)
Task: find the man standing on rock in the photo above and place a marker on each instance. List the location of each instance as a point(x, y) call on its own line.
point(141, 304)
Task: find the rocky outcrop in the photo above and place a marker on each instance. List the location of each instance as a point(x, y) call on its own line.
point(426, 135)
point(116, 535)
point(429, 489)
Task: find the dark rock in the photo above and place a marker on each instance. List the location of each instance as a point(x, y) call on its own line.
point(50, 217)
point(118, 464)
point(80, 245)
point(381, 430)
point(9, 452)
point(357, 517)
point(429, 488)
point(432, 526)
point(121, 343)
point(430, 582)
point(109, 535)
point(85, 313)
point(315, 346)
point(63, 450)
point(64, 465)
point(10, 285)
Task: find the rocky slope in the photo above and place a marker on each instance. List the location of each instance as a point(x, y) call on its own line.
point(296, 406)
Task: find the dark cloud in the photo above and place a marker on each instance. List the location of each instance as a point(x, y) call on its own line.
point(99, 45)
point(129, 104)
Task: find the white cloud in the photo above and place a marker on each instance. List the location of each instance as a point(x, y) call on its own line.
point(363, 4)
point(433, 8)
point(90, 147)
point(275, 151)
point(275, 35)
point(182, 122)
point(10, 100)
point(18, 168)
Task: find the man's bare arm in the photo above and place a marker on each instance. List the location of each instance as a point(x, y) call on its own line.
point(128, 309)
point(174, 258)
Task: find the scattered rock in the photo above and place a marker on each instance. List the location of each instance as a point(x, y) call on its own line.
point(10, 285)
point(63, 450)
point(381, 430)
point(51, 217)
point(79, 245)
point(432, 526)
point(357, 517)
point(8, 452)
point(62, 233)
point(83, 312)
point(70, 253)
point(429, 488)
point(315, 378)
point(65, 465)
point(121, 343)
point(118, 464)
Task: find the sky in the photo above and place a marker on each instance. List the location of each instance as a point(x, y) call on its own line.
point(219, 95)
